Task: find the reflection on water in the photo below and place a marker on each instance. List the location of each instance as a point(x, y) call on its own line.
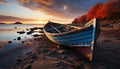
point(10, 51)
point(8, 32)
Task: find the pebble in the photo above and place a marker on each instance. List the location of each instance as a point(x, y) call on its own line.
point(14, 39)
point(18, 38)
point(60, 51)
point(21, 32)
point(56, 62)
point(15, 27)
point(9, 41)
point(36, 35)
point(22, 41)
point(30, 32)
point(27, 66)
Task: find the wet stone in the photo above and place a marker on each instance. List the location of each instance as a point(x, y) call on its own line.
point(22, 41)
point(27, 66)
point(21, 32)
point(14, 39)
point(9, 41)
point(18, 38)
point(15, 27)
point(60, 51)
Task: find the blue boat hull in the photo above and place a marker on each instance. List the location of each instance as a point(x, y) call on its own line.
point(81, 39)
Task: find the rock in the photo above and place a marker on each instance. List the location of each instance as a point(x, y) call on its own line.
point(21, 32)
point(22, 41)
point(31, 60)
point(14, 39)
point(27, 66)
point(36, 35)
point(18, 38)
point(27, 29)
point(41, 31)
point(63, 57)
point(30, 32)
point(15, 27)
point(60, 51)
point(59, 46)
point(9, 41)
point(56, 62)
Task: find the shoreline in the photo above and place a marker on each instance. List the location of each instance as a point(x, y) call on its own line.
point(46, 54)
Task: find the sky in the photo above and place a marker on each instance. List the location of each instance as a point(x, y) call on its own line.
point(42, 11)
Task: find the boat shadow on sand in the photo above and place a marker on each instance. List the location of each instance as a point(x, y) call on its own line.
point(107, 49)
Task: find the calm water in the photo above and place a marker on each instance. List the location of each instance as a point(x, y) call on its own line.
point(10, 51)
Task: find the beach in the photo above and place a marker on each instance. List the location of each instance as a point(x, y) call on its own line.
point(46, 54)
point(59, 34)
point(106, 54)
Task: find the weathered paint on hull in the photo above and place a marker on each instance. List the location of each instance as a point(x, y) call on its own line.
point(86, 51)
point(82, 39)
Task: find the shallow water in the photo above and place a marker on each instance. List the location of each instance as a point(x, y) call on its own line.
point(10, 51)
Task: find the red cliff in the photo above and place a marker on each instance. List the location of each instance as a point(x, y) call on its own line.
point(110, 11)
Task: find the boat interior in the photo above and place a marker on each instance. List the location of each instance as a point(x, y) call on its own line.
point(58, 28)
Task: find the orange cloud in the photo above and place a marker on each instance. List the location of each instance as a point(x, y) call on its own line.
point(60, 8)
point(46, 2)
point(57, 8)
point(8, 19)
point(3, 2)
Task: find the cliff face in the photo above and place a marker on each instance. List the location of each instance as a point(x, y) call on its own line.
point(109, 11)
point(80, 19)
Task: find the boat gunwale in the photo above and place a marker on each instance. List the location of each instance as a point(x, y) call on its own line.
point(72, 31)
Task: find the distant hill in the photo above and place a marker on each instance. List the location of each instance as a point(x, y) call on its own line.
point(109, 11)
point(2, 23)
point(18, 23)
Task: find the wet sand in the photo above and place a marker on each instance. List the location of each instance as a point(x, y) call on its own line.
point(48, 56)
point(107, 50)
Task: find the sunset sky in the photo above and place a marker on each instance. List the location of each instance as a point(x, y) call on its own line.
point(41, 11)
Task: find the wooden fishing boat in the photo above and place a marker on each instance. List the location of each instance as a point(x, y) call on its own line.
point(81, 38)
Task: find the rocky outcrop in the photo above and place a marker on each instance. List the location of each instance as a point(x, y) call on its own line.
point(108, 11)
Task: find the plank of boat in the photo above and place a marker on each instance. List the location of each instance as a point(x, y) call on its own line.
point(74, 36)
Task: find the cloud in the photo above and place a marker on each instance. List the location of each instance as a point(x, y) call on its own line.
point(61, 8)
point(3, 2)
point(14, 19)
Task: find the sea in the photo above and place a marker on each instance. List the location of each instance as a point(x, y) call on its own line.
point(9, 52)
